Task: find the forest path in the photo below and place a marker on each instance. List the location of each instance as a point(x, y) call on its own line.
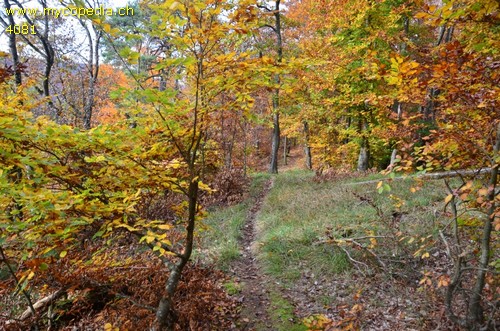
point(254, 294)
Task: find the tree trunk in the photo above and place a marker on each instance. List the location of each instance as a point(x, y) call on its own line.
point(93, 73)
point(13, 46)
point(393, 157)
point(245, 146)
point(166, 316)
point(364, 148)
point(275, 145)
point(307, 148)
point(429, 110)
point(285, 150)
point(364, 156)
point(475, 312)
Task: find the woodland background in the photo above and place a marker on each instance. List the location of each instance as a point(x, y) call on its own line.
point(121, 137)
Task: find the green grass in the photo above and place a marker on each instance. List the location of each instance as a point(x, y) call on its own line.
point(298, 211)
point(294, 218)
point(232, 287)
point(222, 229)
point(282, 315)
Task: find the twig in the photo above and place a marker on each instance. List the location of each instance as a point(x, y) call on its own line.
point(13, 274)
point(380, 262)
point(355, 262)
point(333, 241)
point(431, 176)
point(448, 251)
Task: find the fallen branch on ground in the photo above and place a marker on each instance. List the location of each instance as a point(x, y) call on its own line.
point(432, 175)
point(42, 303)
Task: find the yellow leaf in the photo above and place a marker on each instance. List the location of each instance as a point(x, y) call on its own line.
point(31, 275)
point(483, 192)
point(421, 15)
point(63, 254)
point(425, 255)
point(448, 198)
point(164, 227)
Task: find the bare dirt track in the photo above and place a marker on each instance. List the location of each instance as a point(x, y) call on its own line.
point(254, 295)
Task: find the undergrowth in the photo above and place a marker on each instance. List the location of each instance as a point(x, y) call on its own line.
point(221, 229)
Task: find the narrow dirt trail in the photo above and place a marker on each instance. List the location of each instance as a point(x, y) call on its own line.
point(254, 295)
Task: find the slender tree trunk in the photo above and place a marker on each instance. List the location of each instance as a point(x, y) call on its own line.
point(396, 107)
point(364, 148)
point(166, 316)
point(245, 146)
point(275, 145)
point(307, 148)
point(13, 45)
point(285, 147)
point(475, 313)
point(93, 73)
point(429, 110)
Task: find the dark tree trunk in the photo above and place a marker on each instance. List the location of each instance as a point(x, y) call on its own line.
point(13, 45)
point(275, 145)
point(166, 316)
point(93, 73)
point(285, 150)
point(307, 148)
point(47, 51)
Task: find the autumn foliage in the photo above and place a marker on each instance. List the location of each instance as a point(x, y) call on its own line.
point(102, 195)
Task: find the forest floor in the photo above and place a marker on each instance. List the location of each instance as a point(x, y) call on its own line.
point(309, 254)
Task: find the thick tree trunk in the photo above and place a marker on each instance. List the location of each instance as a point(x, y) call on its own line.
point(364, 156)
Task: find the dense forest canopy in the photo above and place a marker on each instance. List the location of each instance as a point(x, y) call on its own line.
point(121, 130)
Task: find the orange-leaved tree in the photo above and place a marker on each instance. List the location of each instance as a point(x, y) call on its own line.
point(62, 187)
point(456, 84)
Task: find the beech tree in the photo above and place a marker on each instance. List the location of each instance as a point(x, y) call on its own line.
point(276, 28)
point(410, 84)
point(100, 174)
